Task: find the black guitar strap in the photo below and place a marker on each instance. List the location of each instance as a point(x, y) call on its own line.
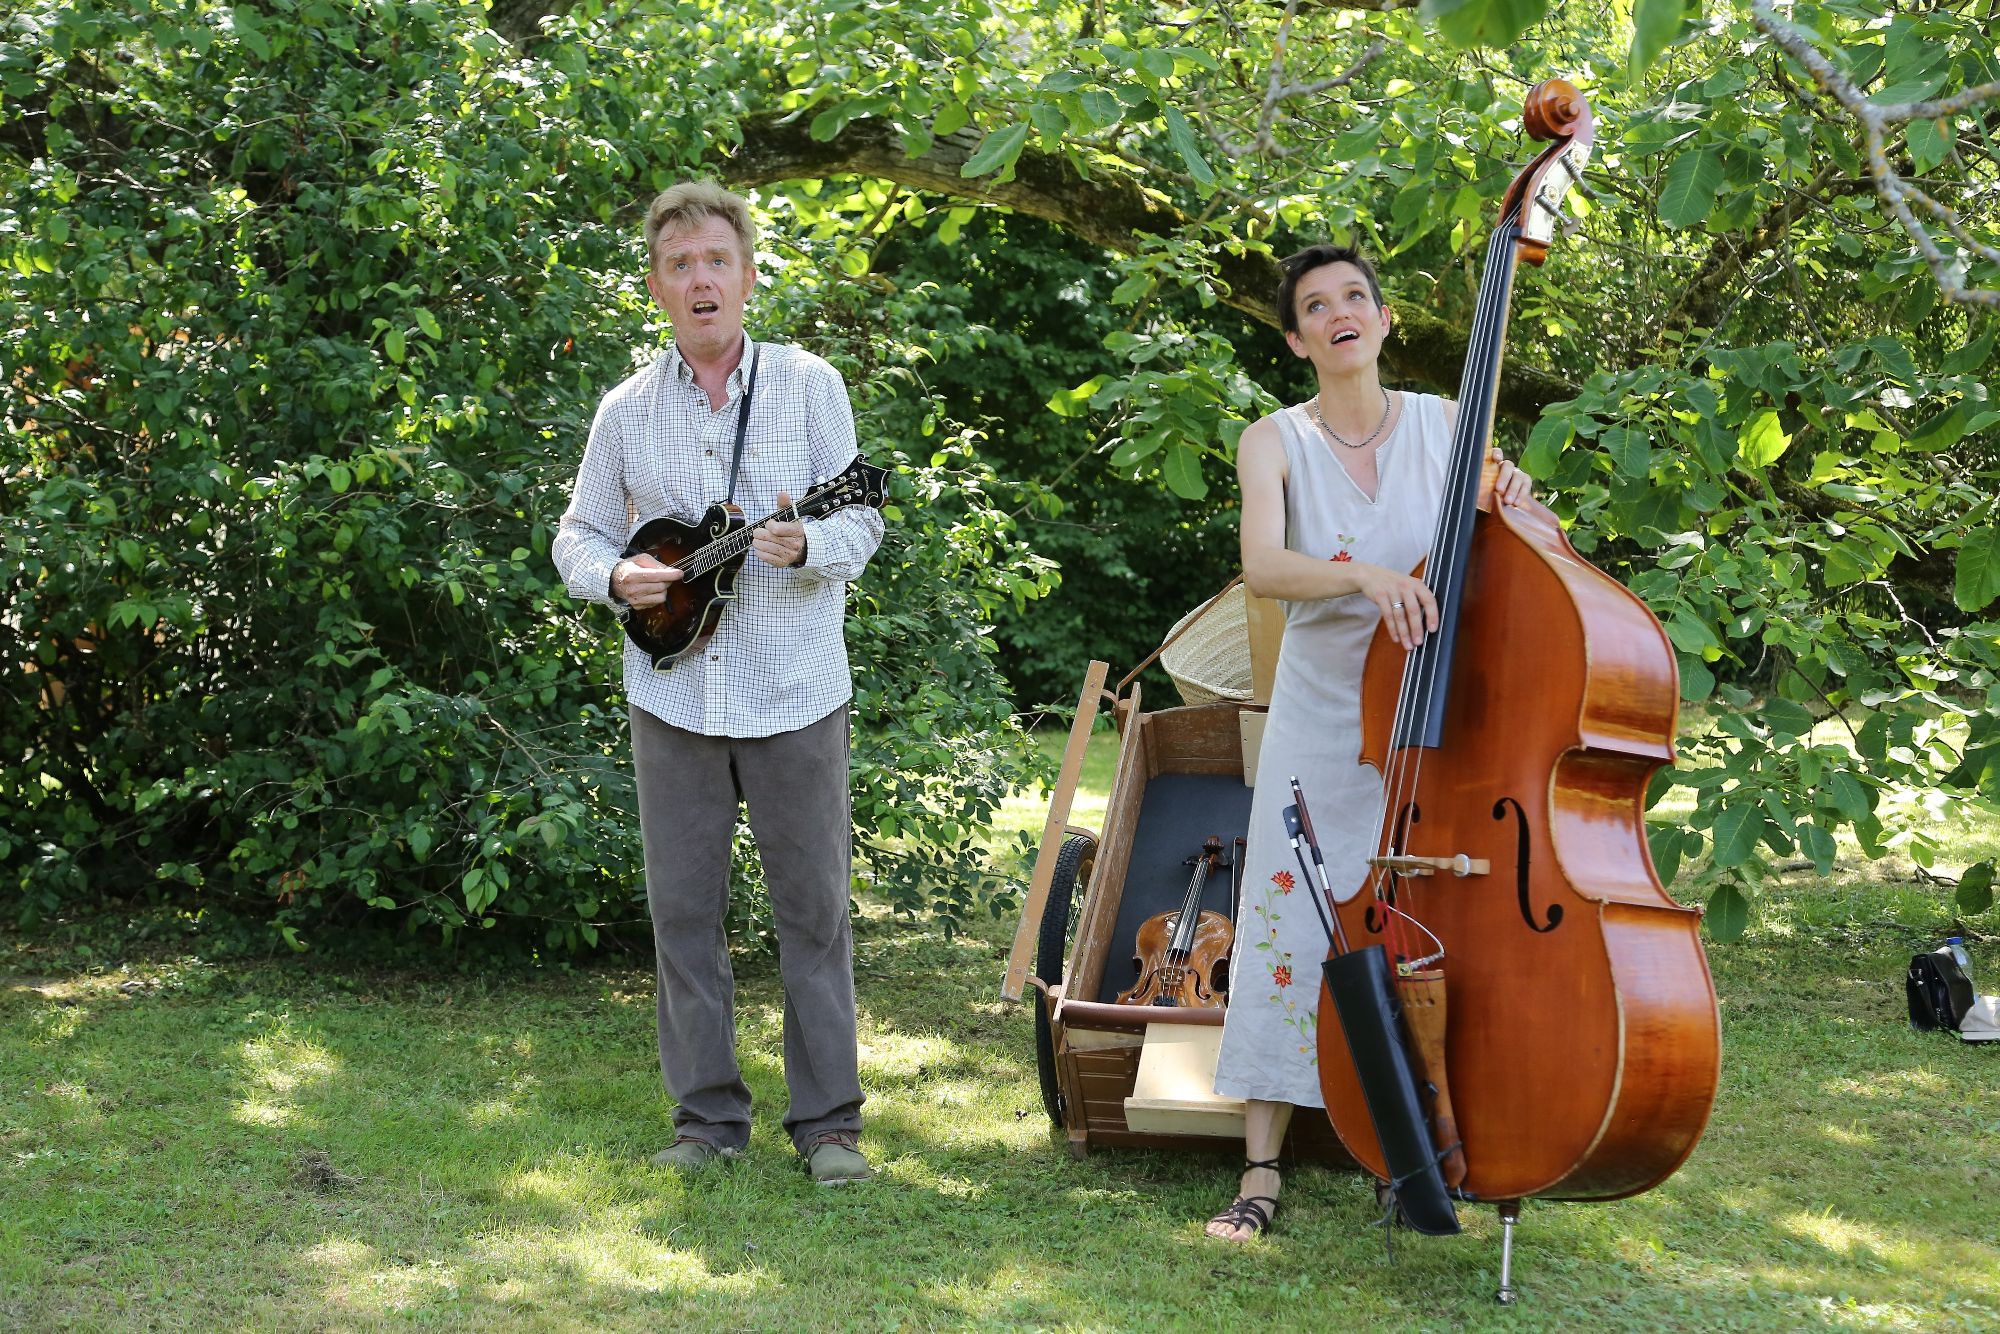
point(742, 425)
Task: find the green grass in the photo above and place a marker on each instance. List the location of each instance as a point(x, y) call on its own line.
point(296, 1145)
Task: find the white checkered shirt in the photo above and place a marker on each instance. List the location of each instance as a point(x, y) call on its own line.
point(778, 660)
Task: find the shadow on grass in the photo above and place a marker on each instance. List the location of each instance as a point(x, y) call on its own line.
point(275, 1147)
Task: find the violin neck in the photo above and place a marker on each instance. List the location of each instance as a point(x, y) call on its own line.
point(1190, 907)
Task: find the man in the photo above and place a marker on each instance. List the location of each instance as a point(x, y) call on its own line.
point(759, 713)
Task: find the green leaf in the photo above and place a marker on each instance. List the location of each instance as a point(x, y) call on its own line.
point(392, 343)
point(1181, 135)
point(1545, 442)
point(1762, 440)
point(1975, 888)
point(1786, 718)
point(951, 120)
point(998, 150)
point(1978, 576)
point(1697, 681)
point(1666, 841)
point(1818, 845)
point(1073, 402)
point(1101, 108)
point(1736, 832)
point(1182, 469)
point(1489, 23)
point(1631, 451)
point(428, 323)
point(1728, 915)
point(1654, 23)
point(1688, 192)
point(1850, 796)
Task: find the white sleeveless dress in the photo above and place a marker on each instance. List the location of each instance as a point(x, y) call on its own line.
point(1314, 732)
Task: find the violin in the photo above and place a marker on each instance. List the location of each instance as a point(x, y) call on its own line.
point(1182, 956)
point(1581, 1049)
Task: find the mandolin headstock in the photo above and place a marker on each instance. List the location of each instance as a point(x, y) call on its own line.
point(860, 483)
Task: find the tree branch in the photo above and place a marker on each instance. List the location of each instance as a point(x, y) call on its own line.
point(1876, 120)
point(1109, 209)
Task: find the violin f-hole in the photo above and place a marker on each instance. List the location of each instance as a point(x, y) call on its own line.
point(1521, 854)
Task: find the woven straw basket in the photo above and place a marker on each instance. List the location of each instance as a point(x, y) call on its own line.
point(1207, 653)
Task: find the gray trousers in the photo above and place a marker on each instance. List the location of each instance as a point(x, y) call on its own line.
point(796, 786)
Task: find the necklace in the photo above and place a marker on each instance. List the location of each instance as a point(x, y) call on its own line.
point(1367, 440)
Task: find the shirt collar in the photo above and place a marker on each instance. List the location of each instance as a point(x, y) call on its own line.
point(677, 365)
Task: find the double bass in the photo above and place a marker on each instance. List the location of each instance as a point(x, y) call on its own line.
point(1580, 1047)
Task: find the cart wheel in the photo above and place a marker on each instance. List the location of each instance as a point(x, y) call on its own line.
point(1049, 962)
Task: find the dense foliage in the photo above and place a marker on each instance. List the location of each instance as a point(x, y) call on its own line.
point(308, 303)
point(1737, 377)
point(307, 309)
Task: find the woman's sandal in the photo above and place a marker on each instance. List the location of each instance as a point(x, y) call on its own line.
point(1248, 1210)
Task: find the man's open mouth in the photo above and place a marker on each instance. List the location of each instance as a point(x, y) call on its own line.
point(704, 307)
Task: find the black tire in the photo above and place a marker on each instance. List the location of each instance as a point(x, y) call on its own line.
point(1049, 948)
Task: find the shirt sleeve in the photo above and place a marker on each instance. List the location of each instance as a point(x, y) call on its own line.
point(591, 535)
point(839, 545)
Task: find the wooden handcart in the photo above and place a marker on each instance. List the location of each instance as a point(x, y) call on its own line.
point(1138, 1075)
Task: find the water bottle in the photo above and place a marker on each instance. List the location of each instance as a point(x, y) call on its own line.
point(1956, 944)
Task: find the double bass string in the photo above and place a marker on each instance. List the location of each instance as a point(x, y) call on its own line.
point(1425, 671)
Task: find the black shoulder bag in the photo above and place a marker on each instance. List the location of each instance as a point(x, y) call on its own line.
point(1938, 990)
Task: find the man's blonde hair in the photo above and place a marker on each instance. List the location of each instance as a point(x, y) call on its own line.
point(690, 204)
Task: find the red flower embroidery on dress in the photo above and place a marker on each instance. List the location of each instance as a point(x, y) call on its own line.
point(1284, 880)
point(1344, 555)
point(1282, 975)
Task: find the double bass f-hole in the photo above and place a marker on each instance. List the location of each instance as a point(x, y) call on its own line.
point(1522, 844)
point(1180, 955)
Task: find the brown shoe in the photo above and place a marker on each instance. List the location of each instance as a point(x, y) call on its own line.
point(834, 1158)
point(692, 1154)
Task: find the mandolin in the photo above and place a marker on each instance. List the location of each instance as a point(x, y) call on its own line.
point(709, 553)
point(1181, 956)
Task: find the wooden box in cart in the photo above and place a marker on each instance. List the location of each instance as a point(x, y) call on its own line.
point(1141, 1075)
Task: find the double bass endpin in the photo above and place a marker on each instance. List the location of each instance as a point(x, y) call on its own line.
point(1510, 1214)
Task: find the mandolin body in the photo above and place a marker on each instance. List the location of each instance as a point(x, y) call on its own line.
point(710, 552)
point(684, 622)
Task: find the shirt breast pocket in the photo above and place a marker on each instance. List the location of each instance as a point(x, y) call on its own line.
point(780, 460)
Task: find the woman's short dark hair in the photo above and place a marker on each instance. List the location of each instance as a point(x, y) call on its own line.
point(1318, 257)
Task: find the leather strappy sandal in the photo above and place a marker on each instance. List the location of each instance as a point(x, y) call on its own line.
point(1249, 1210)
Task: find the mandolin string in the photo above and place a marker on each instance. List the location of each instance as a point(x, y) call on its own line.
point(705, 558)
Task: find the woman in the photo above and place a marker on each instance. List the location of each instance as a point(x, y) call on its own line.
point(1340, 497)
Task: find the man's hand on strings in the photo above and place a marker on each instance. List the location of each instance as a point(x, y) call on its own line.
point(641, 581)
point(781, 542)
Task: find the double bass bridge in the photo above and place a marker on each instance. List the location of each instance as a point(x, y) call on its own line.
point(1406, 864)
